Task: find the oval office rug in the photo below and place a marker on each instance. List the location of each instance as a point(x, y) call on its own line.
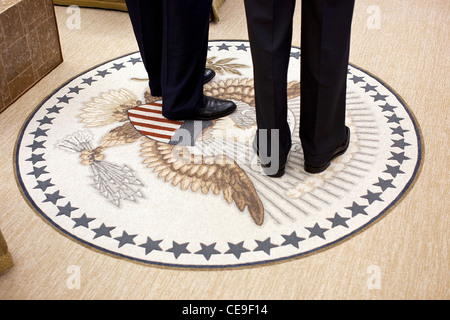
point(100, 163)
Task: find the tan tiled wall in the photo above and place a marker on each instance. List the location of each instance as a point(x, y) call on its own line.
point(29, 46)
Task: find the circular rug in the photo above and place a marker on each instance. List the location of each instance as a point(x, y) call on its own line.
point(102, 165)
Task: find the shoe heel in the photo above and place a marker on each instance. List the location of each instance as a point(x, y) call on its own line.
point(278, 174)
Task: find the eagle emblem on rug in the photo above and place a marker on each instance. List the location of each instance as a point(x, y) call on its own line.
point(192, 193)
point(209, 165)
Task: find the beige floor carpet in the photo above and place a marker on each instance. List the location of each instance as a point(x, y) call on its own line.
point(402, 256)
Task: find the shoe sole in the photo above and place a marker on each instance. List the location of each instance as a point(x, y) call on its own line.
point(279, 174)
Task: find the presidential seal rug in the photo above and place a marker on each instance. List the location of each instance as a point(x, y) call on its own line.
point(100, 163)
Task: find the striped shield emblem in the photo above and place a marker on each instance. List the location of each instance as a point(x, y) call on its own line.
point(149, 121)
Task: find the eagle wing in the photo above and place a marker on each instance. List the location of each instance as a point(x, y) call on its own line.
point(110, 108)
point(121, 135)
point(218, 174)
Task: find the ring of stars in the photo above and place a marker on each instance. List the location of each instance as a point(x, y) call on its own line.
point(209, 251)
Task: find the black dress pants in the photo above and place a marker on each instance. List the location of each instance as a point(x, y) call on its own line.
point(325, 46)
point(172, 36)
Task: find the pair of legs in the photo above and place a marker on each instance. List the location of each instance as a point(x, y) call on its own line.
point(325, 45)
point(172, 36)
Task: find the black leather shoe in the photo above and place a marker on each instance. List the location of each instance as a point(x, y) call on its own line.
point(209, 75)
point(270, 173)
point(214, 108)
point(338, 152)
point(267, 168)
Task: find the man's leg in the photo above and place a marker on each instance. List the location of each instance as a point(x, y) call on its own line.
point(185, 46)
point(270, 34)
point(146, 18)
point(326, 26)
